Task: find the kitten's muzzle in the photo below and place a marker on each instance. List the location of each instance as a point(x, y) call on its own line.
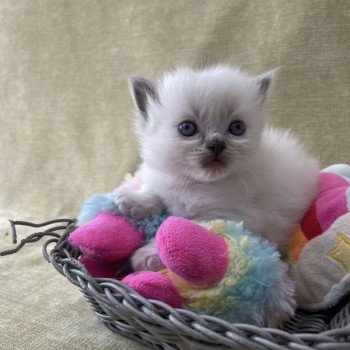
point(216, 146)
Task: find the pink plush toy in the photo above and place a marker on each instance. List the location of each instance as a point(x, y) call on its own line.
point(319, 251)
point(218, 269)
point(189, 267)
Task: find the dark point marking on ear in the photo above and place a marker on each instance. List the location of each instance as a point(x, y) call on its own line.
point(264, 85)
point(141, 90)
point(263, 82)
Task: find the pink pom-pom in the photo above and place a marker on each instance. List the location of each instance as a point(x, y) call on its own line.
point(332, 199)
point(107, 237)
point(154, 285)
point(189, 250)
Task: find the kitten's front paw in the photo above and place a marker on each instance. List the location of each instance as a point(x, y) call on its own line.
point(138, 205)
point(131, 206)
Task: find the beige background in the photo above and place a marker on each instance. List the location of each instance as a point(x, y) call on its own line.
point(66, 116)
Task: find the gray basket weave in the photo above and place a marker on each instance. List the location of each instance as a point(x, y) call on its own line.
point(160, 326)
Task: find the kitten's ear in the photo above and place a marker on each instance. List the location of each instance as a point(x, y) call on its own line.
point(263, 81)
point(141, 90)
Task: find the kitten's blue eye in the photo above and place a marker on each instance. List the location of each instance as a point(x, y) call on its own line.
point(187, 129)
point(237, 128)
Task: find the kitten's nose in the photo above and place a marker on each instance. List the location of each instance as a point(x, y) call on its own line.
point(216, 146)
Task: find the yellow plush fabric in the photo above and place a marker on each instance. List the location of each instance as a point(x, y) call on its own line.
point(66, 116)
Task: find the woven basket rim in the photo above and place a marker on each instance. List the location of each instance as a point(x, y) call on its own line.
point(152, 322)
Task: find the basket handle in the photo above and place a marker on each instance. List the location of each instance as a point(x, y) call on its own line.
point(34, 237)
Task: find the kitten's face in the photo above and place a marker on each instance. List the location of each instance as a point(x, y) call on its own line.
point(200, 125)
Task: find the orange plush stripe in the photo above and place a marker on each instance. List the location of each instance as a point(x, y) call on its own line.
point(297, 244)
point(183, 287)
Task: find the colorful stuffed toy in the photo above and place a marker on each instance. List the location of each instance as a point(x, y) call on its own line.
point(319, 257)
point(217, 268)
point(319, 252)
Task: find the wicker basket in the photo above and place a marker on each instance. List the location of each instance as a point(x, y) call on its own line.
point(160, 326)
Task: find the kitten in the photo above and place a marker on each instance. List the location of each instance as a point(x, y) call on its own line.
point(207, 154)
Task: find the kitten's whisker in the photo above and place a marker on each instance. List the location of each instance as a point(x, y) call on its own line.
point(241, 177)
point(184, 179)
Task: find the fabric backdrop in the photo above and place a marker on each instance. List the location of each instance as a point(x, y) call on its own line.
point(66, 116)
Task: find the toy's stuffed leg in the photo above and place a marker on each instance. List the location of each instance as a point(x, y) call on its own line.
point(100, 269)
point(191, 251)
point(154, 285)
point(107, 238)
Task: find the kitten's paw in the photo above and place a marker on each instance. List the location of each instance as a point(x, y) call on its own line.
point(129, 206)
point(146, 258)
point(138, 205)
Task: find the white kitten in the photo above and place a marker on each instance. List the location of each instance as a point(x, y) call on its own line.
point(207, 154)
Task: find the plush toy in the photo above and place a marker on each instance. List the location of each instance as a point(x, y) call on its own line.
point(245, 270)
point(217, 268)
point(319, 252)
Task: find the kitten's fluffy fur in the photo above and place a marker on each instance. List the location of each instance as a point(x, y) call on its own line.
point(263, 177)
